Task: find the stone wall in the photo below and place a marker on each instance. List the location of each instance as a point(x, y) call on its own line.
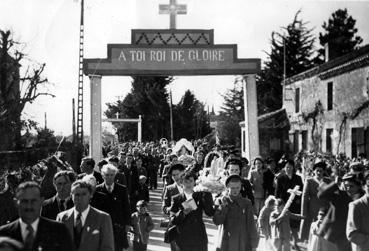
point(350, 91)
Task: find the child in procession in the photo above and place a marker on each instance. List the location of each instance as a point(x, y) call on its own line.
point(263, 220)
point(142, 225)
point(235, 214)
point(280, 226)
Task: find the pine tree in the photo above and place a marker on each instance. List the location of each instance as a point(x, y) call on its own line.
point(340, 34)
point(190, 118)
point(233, 105)
point(292, 49)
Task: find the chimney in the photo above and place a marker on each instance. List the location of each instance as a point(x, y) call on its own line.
point(326, 52)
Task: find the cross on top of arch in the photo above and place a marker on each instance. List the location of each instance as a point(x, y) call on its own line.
point(173, 9)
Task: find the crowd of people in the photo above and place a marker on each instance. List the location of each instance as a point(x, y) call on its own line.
point(314, 201)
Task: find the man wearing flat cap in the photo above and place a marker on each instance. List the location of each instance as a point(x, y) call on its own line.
point(357, 228)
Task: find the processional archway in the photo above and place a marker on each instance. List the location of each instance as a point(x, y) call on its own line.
point(173, 52)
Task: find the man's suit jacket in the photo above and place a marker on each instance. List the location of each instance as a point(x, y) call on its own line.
point(100, 201)
point(357, 228)
point(192, 232)
point(119, 203)
point(119, 211)
point(97, 232)
point(51, 208)
point(169, 192)
point(50, 235)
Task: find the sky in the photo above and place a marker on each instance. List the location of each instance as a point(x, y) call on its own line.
point(49, 33)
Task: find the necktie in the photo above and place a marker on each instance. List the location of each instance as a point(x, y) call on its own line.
point(62, 207)
point(110, 189)
point(78, 230)
point(28, 243)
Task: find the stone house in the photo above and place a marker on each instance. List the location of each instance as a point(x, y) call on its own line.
point(327, 106)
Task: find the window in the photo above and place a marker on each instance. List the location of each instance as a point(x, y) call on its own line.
point(296, 141)
point(304, 136)
point(330, 96)
point(357, 141)
point(297, 100)
point(328, 140)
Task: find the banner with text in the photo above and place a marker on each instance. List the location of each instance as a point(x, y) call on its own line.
point(129, 60)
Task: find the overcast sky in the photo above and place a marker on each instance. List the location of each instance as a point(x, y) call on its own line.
point(49, 30)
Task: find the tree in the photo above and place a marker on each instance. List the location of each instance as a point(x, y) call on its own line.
point(190, 118)
point(340, 34)
point(16, 91)
point(233, 104)
point(291, 53)
point(149, 98)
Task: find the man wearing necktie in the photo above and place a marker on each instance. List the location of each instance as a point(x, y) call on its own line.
point(35, 232)
point(62, 200)
point(119, 207)
point(91, 228)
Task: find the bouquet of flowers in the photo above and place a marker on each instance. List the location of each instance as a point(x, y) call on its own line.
point(186, 160)
point(211, 179)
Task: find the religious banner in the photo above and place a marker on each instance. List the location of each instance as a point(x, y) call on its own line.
point(171, 52)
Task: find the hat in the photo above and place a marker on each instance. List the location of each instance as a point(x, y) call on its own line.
point(142, 177)
point(357, 167)
point(320, 164)
point(178, 166)
point(353, 177)
point(233, 177)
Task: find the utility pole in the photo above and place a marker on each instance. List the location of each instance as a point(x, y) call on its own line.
point(73, 121)
point(171, 114)
point(45, 121)
point(80, 79)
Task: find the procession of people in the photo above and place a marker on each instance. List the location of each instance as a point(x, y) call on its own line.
point(297, 203)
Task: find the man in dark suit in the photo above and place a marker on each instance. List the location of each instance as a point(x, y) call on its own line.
point(188, 216)
point(87, 167)
point(91, 229)
point(128, 167)
point(61, 201)
point(119, 207)
point(175, 172)
point(35, 232)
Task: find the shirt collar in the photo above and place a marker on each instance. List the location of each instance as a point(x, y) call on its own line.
point(23, 226)
point(107, 187)
point(188, 195)
point(84, 214)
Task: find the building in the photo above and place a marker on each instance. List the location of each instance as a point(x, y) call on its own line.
point(327, 106)
point(273, 134)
